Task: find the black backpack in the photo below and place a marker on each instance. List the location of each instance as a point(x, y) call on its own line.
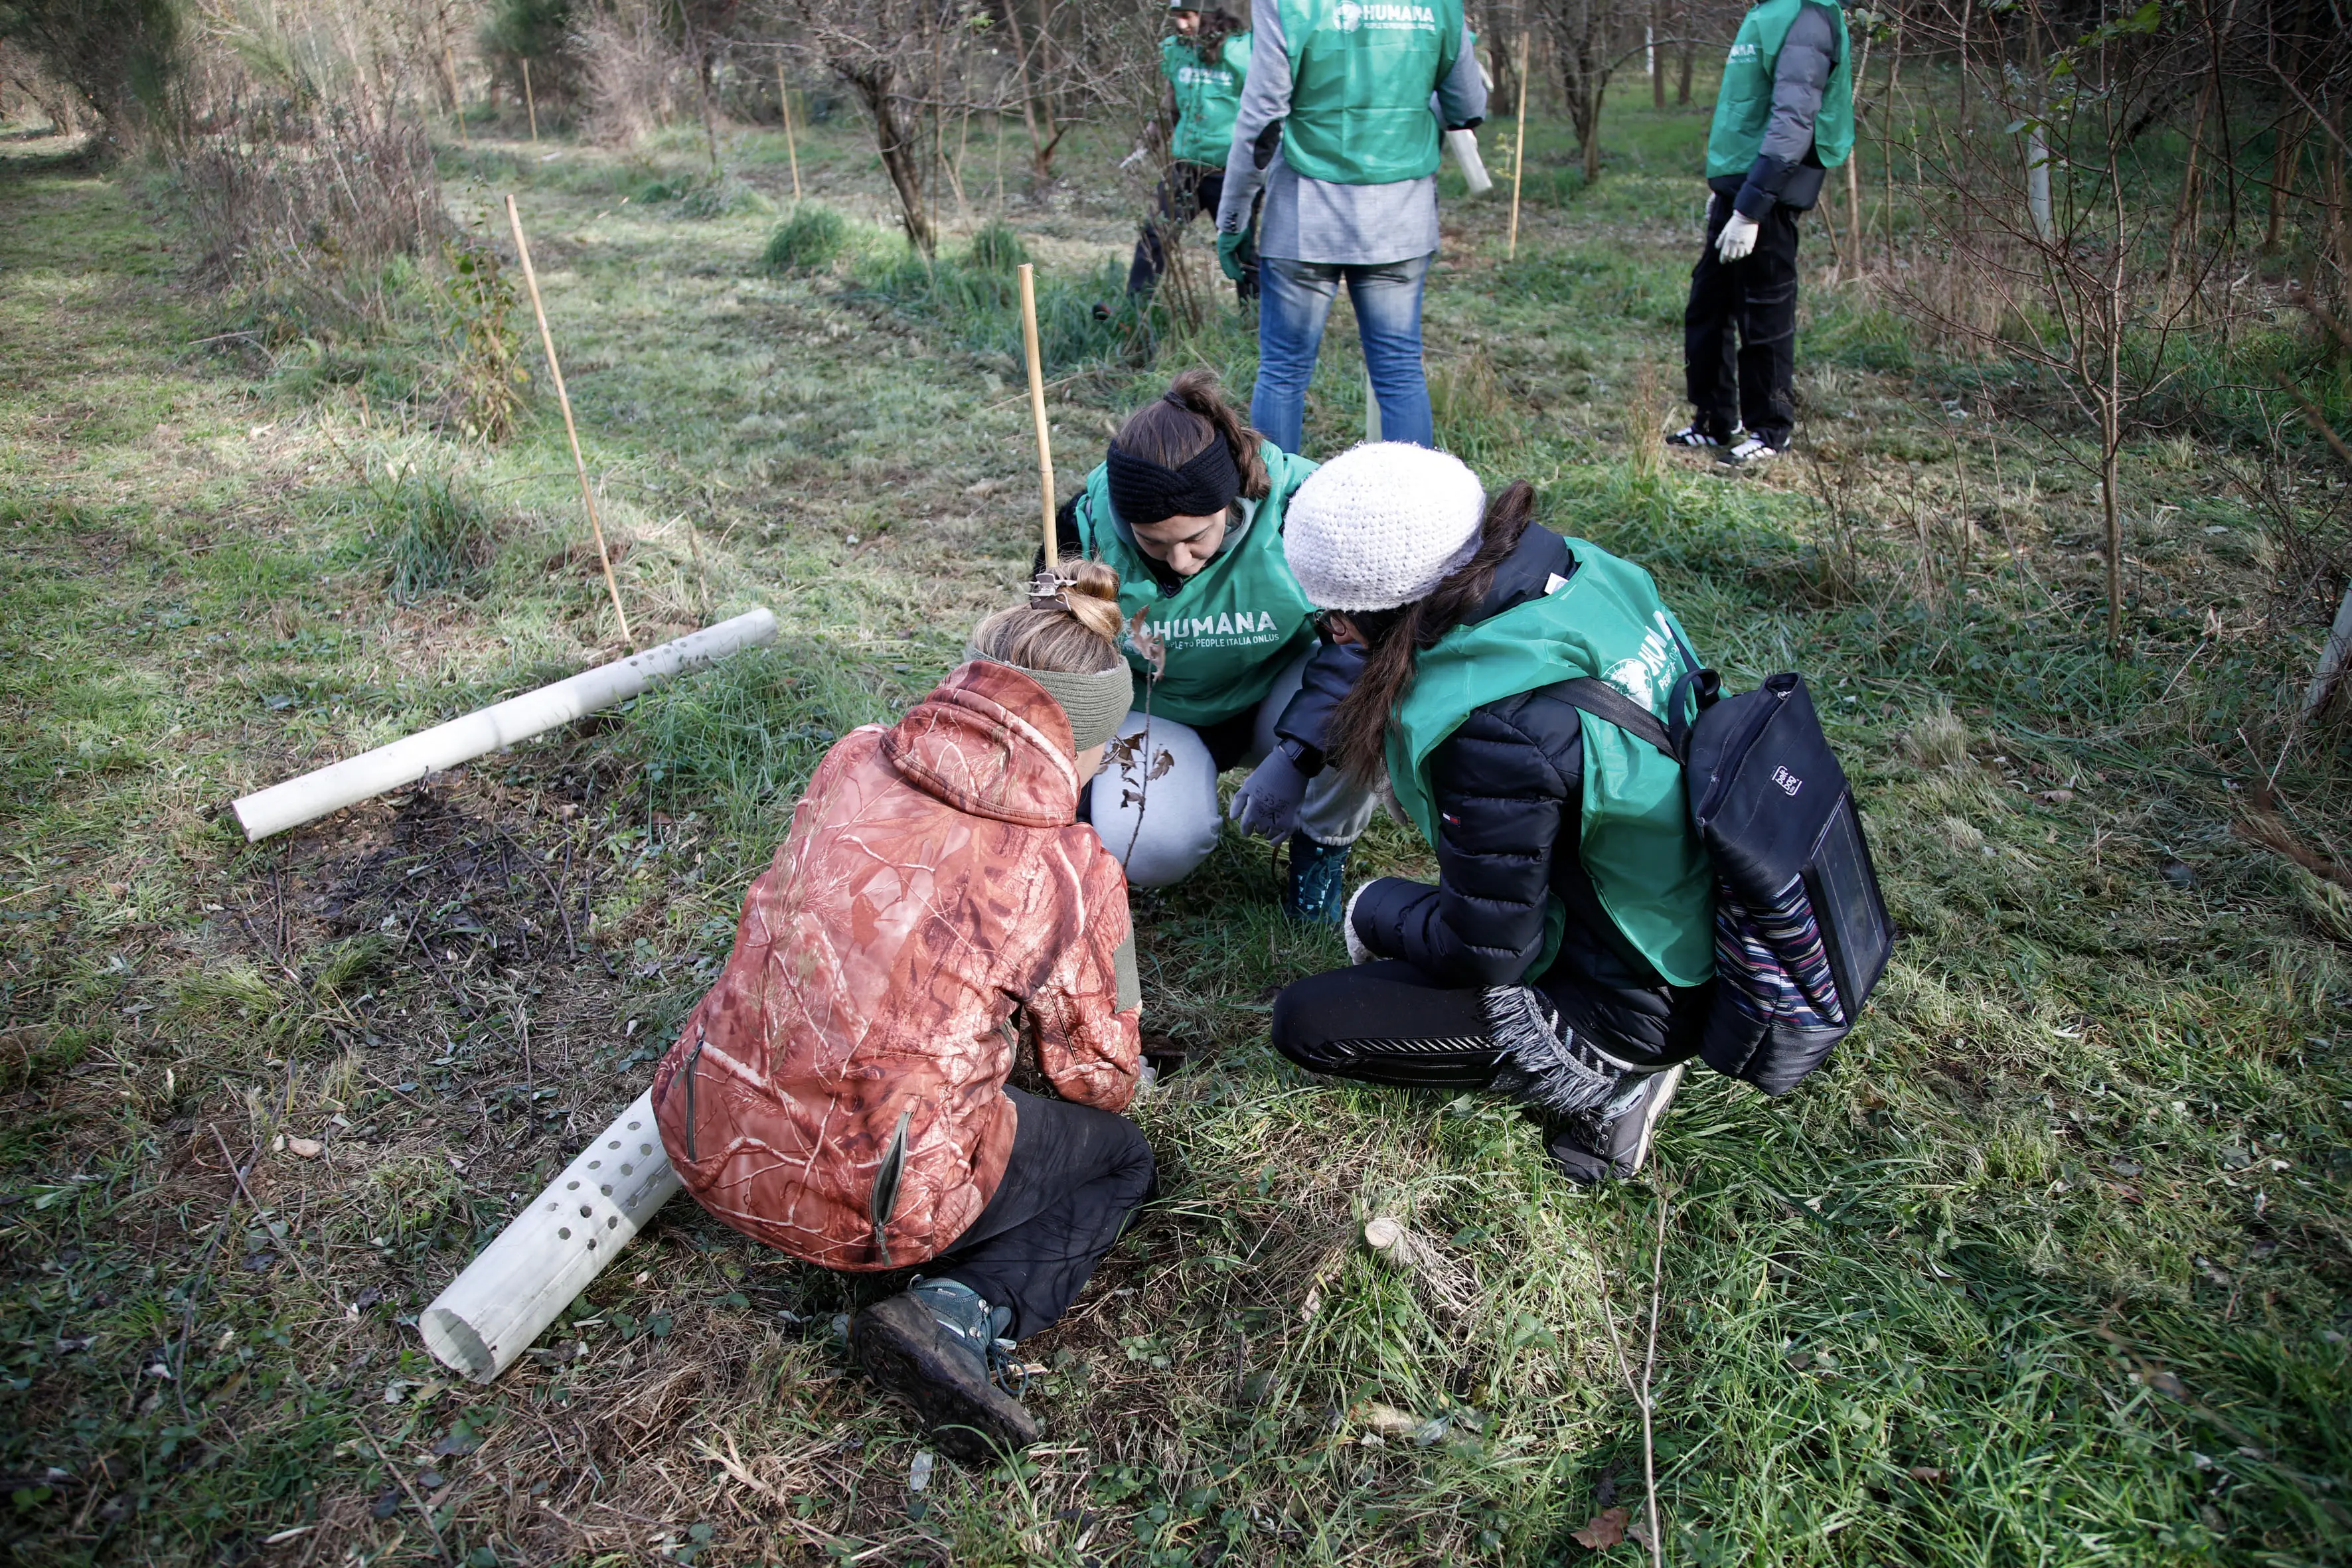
point(1801, 934)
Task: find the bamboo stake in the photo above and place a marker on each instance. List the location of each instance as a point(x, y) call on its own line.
point(1037, 409)
point(1519, 146)
point(791, 149)
point(579, 463)
point(530, 103)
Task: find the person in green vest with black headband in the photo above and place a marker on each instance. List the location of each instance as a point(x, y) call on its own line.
point(1188, 508)
point(1565, 956)
point(1205, 64)
point(1783, 119)
point(1340, 124)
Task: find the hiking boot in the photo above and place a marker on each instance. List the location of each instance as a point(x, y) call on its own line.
point(1613, 1143)
point(1755, 449)
point(933, 1345)
point(1694, 436)
point(1319, 872)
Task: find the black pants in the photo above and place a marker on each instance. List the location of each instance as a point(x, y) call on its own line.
point(1391, 1022)
point(1186, 190)
point(1073, 1176)
point(1739, 330)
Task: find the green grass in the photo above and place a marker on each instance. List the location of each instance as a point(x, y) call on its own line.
point(2049, 1266)
point(806, 241)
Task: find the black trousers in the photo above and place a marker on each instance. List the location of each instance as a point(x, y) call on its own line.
point(1073, 1176)
point(1386, 1021)
point(1391, 1022)
point(1739, 330)
point(1186, 191)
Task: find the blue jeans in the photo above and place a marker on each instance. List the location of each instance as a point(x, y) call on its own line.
point(1294, 300)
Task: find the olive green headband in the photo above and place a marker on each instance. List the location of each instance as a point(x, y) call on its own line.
point(1095, 702)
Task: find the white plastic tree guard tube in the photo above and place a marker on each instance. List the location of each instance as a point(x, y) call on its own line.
point(506, 1297)
point(1464, 145)
point(331, 788)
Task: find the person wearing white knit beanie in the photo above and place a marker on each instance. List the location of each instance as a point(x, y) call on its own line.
point(1564, 957)
point(1382, 524)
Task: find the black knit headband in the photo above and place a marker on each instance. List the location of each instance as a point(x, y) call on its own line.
point(1143, 492)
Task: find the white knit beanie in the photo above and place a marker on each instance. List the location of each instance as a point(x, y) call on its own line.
point(1381, 525)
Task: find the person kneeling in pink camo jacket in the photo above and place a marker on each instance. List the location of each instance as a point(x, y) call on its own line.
point(840, 1093)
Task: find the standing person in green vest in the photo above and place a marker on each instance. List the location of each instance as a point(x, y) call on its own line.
point(1782, 120)
point(1205, 64)
point(1188, 508)
point(1565, 956)
point(1338, 125)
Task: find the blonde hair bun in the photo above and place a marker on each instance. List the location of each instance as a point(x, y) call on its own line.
point(1091, 595)
point(1071, 624)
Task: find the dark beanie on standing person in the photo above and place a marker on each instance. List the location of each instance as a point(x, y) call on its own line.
point(1143, 492)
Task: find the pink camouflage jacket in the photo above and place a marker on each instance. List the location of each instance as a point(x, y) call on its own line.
point(840, 1091)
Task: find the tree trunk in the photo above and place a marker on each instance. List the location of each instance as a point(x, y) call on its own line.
point(2185, 216)
point(1505, 99)
point(1042, 138)
point(2285, 161)
point(1650, 54)
point(897, 144)
point(1592, 140)
point(2110, 504)
point(2037, 184)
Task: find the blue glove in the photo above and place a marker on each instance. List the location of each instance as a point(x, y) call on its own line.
point(1229, 254)
point(1268, 801)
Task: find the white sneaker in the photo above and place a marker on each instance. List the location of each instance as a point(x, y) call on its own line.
point(1754, 449)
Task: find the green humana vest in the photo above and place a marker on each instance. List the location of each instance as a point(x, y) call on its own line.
point(1744, 106)
point(1208, 98)
point(1229, 627)
point(1647, 867)
point(1360, 75)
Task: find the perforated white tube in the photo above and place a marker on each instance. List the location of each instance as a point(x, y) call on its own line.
point(494, 1311)
point(338, 784)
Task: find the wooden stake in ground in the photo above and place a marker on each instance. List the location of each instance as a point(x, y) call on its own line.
point(1519, 147)
point(530, 103)
point(791, 149)
point(1037, 409)
point(579, 463)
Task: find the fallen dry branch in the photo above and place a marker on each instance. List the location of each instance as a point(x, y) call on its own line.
point(2259, 823)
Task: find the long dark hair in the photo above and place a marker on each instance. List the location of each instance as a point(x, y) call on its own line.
point(1358, 738)
point(1216, 26)
point(1178, 426)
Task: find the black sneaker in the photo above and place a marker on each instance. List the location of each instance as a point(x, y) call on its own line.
point(1692, 436)
point(1590, 1151)
point(910, 1346)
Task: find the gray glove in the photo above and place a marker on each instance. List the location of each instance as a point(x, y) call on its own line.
point(1268, 801)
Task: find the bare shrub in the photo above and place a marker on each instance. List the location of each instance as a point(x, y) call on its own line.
point(315, 195)
point(23, 76)
point(632, 74)
point(302, 164)
point(118, 56)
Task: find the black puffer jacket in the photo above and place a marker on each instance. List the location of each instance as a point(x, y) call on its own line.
point(1506, 787)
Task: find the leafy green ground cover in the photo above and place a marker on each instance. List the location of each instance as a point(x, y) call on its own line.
point(2049, 1266)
